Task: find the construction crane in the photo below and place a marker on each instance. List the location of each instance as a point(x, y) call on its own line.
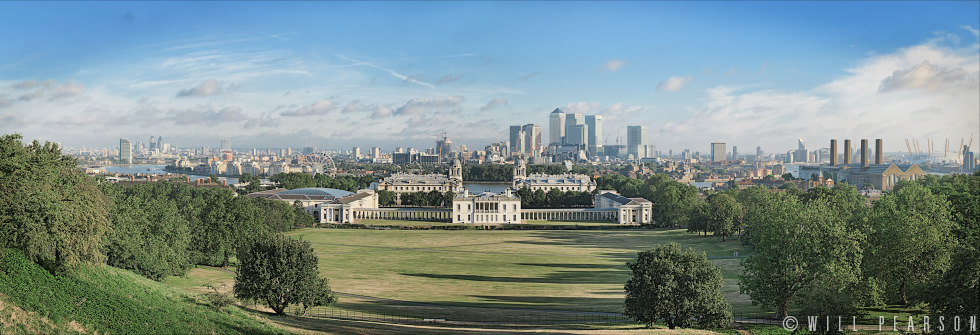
point(946, 151)
point(909, 147)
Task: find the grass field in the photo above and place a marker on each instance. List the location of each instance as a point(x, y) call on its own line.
point(106, 300)
point(544, 269)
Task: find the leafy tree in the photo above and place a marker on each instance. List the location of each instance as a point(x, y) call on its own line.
point(699, 221)
point(303, 218)
point(957, 291)
point(148, 236)
point(49, 208)
point(801, 251)
point(275, 215)
point(254, 183)
point(909, 243)
point(281, 271)
point(386, 198)
point(681, 288)
point(724, 215)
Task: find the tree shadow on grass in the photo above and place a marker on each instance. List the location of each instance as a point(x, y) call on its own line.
point(559, 277)
point(578, 266)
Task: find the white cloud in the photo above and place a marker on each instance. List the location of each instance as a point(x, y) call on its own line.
point(926, 76)
point(919, 91)
point(389, 71)
point(320, 107)
point(581, 107)
point(449, 78)
point(674, 84)
point(207, 88)
point(974, 31)
point(420, 106)
point(613, 65)
point(493, 104)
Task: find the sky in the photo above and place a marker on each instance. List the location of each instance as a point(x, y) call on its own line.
point(339, 74)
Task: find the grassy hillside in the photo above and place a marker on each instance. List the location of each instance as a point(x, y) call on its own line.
point(106, 300)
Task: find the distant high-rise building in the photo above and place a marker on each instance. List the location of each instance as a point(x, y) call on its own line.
point(375, 153)
point(636, 138)
point(718, 151)
point(734, 152)
point(125, 151)
point(577, 135)
point(159, 142)
point(969, 162)
point(572, 120)
point(556, 127)
point(532, 139)
point(444, 147)
point(517, 138)
point(153, 143)
point(801, 154)
point(758, 152)
point(355, 153)
point(225, 145)
point(595, 133)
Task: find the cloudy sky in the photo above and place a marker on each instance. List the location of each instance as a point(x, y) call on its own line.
point(336, 74)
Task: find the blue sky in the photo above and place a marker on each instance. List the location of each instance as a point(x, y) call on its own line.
point(335, 74)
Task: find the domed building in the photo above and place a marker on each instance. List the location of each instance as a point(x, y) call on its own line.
point(409, 183)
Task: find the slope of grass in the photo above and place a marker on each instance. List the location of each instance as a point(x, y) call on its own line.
point(107, 300)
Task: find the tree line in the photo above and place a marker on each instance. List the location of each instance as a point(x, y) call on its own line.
point(554, 198)
point(294, 180)
point(826, 252)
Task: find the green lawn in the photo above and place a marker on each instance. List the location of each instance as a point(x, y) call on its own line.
point(542, 269)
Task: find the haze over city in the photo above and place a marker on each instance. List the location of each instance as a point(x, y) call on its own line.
point(335, 75)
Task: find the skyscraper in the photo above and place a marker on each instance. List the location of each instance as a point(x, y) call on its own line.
point(225, 145)
point(556, 127)
point(125, 151)
point(734, 152)
point(572, 120)
point(636, 140)
point(595, 133)
point(717, 151)
point(517, 139)
point(532, 139)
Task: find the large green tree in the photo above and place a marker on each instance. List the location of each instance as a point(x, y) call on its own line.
point(48, 207)
point(682, 289)
point(910, 239)
point(724, 215)
point(148, 235)
point(800, 251)
point(281, 271)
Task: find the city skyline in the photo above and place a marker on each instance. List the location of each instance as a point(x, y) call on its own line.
point(89, 74)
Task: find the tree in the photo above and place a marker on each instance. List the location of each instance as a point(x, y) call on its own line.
point(386, 198)
point(49, 208)
point(148, 235)
point(681, 288)
point(910, 239)
point(800, 251)
point(254, 183)
point(281, 271)
point(724, 215)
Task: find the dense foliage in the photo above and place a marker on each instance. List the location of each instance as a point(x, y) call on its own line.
point(281, 271)
point(554, 198)
point(295, 180)
point(673, 203)
point(48, 207)
point(682, 289)
point(488, 172)
point(432, 198)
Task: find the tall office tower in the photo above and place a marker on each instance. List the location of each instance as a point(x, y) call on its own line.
point(801, 155)
point(375, 153)
point(532, 139)
point(517, 138)
point(159, 142)
point(969, 163)
point(355, 153)
point(225, 145)
point(758, 152)
point(595, 133)
point(717, 151)
point(444, 147)
point(153, 143)
point(833, 152)
point(572, 120)
point(734, 152)
point(847, 152)
point(556, 127)
point(125, 151)
point(577, 135)
point(636, 140)
point(864, 153)
point(879, 152)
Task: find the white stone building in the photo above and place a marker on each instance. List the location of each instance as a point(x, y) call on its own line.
point(563, 182)
point(631, 210)
point(487, 208)
point(408, 183)
point(327, 205)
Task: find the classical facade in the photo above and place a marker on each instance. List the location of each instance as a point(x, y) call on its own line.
point(629, 210)
point(563, 182)
point(408, 183)
point(487, 208)
point(327, 205)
